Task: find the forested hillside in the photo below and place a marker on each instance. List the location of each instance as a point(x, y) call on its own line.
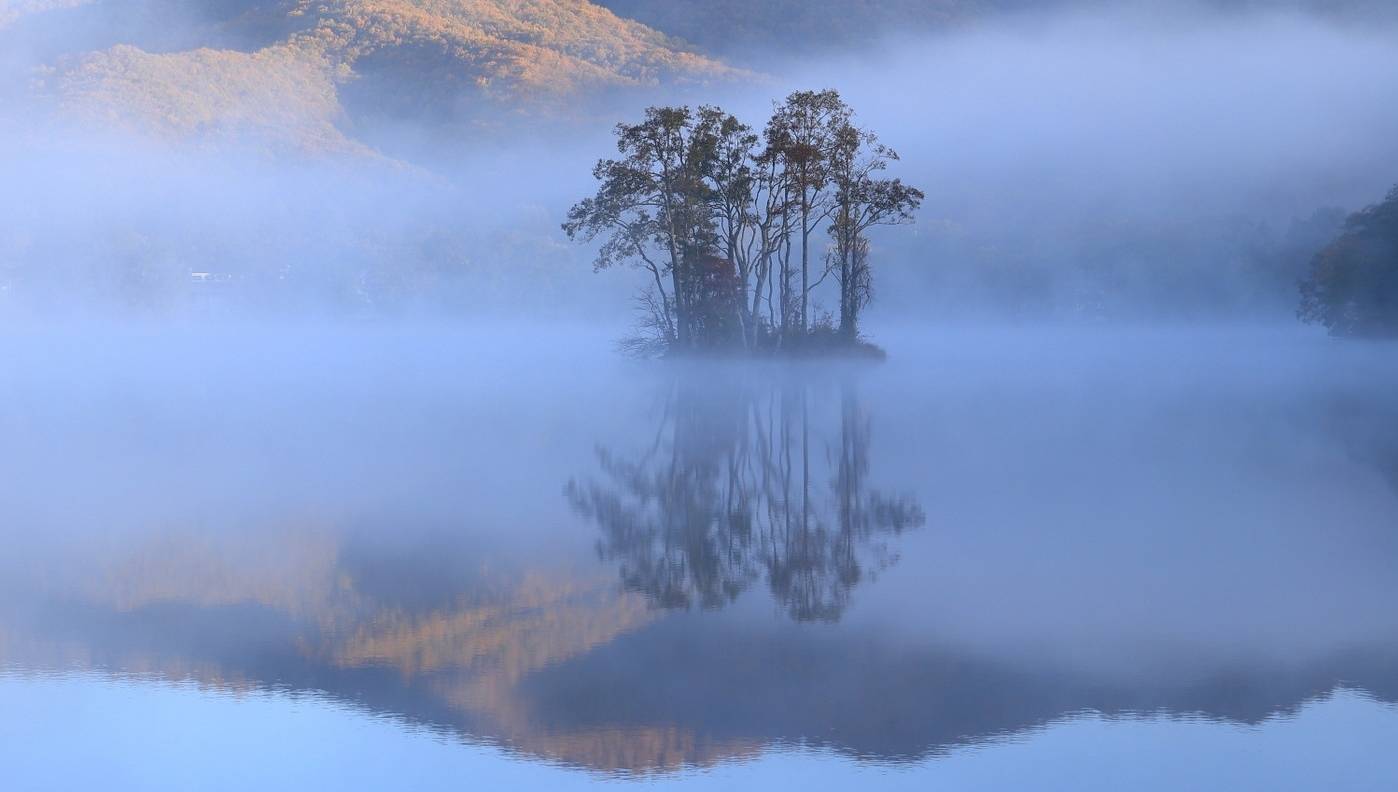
point(330, 74)
point(302, 72)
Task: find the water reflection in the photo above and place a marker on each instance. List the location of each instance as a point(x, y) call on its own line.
point(740, 487)
point(417, 626)
point(558, 664)
point(748, 480)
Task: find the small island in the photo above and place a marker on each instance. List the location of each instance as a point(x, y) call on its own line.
point(737, 228)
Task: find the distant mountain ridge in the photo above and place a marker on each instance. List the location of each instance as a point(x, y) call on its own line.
point(749, 31)
point(306, 74)
point(348, 75)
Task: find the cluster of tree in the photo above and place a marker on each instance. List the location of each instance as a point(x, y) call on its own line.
point(726, 221)
point(746, 484)
point(1352, 287)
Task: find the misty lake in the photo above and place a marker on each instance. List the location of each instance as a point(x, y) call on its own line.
point(426, 558)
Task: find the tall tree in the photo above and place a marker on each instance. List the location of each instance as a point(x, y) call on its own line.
point(651, 204)
point(771, 237)
point(862, 201)
point(725, 148)
point(801, 135)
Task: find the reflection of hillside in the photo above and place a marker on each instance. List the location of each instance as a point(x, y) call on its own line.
point(295, 576)
point(555, 664)
point(866, 697)
point(747, 483)
point(543, 622)
point(285, 609)
point(636, 751)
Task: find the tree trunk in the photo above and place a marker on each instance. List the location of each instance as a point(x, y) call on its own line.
point(679, 275)
point(764, 267)
point(784, 281)
point(849, 275)
point(681, 312)
point(805, 256)
point(744, 266)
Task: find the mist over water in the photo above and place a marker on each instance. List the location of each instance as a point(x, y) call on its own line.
point(991, 532)
point(1080, 165)
point(313, 424)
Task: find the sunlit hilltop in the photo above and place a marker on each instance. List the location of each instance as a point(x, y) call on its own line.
point(304, 73)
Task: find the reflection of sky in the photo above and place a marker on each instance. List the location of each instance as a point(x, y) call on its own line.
point(157, 736)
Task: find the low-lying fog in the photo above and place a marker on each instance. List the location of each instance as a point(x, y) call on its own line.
point(1154, 164)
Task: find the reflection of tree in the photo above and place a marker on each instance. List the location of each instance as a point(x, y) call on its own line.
point(730, 492)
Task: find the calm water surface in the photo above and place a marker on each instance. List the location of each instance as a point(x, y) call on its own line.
point(382, 558)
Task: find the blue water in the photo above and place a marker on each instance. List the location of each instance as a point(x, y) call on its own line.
point(368, 558)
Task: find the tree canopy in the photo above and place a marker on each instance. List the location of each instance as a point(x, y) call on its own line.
point(1352, 287)
point(724, 220)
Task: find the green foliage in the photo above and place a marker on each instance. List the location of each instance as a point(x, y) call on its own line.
point(1352, 287)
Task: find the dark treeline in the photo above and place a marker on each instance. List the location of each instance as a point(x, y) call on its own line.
point(1352, 287)
point(737, 228)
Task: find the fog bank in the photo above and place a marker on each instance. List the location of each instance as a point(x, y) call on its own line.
point(1106, 165)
